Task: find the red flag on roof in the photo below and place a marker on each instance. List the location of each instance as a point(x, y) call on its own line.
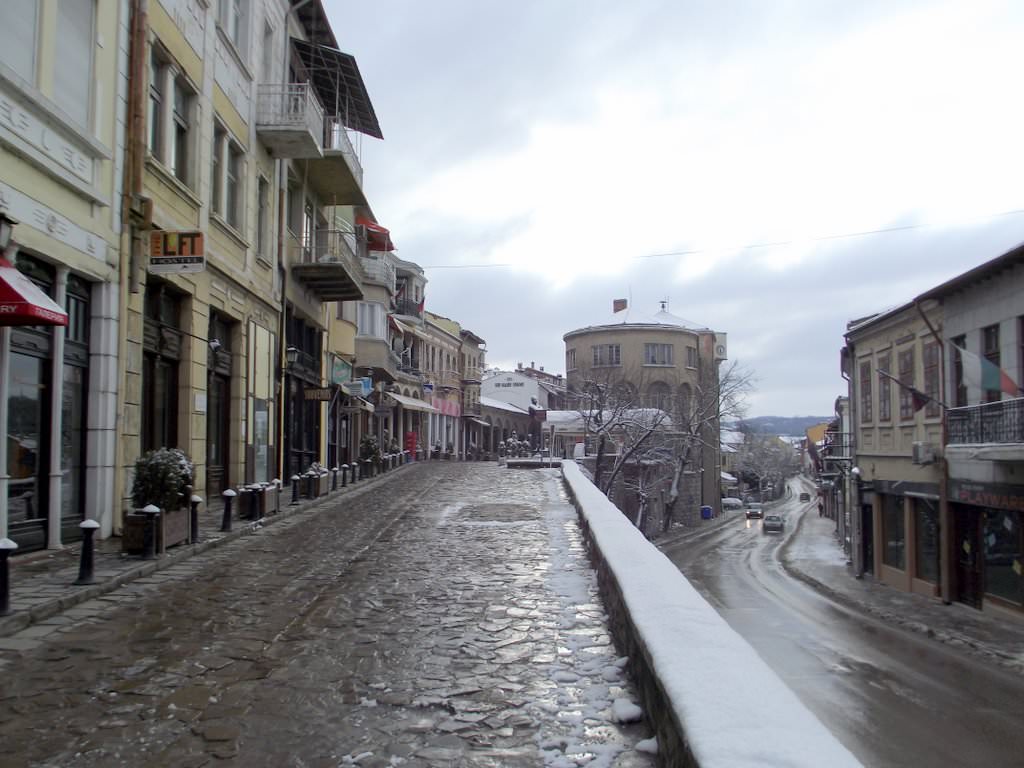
point(378, 238)
point(618, 305)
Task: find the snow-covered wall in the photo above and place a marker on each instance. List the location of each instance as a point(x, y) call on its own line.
point(712, 700)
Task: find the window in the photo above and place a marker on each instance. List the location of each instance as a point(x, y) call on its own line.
point(270, 55)
point(606, 354)
point(884, 388)
point(179, 159)
point(162, 347)
point(216, 169)
point(227, 182)
point(263, 217)
point(231, 18)
point(990, 351)
point(894, 551)
point(72, 78)
point(657, 354)
point(865, 392)
point(155, 118)
point(931, 378)
point(171, 137)
point(906, 364)
point(18, 39)
point(691, 357)
point(570, 359)
point(234, 184)
point(960, 395)
point(370, 319)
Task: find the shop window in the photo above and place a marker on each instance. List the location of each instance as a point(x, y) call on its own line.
point(894, 553)
point(1004, 555)
point(926, 540)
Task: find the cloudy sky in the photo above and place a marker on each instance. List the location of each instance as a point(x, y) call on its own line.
point(772, 169)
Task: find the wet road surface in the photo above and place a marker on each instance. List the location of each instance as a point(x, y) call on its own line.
point(448, 619)
point(891, 697)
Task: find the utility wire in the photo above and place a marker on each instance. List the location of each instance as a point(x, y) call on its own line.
point(750, 246)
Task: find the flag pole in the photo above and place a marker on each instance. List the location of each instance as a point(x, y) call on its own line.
point(912, 389)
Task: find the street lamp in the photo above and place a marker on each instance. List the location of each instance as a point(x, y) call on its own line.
point(291, 355)
point(7, 225)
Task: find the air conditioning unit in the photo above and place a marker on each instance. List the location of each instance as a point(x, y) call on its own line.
point(924, 453)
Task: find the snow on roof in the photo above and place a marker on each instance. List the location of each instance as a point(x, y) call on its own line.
point(630, 316)
point(490, 402)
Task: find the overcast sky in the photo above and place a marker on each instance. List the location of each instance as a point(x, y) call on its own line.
point(541, 156)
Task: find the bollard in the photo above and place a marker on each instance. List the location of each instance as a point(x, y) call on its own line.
point(225, 521)
point(334, 478)
point(85, 564)
point(194, 503)
point(344, 475)
point(277, 485)
point(149, 533)
point(355, 469)
point(295, 490)
point(6, 548)
point(254, 502)
point(367, 469)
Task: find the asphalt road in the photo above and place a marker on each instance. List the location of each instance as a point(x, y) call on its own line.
point(893, 698)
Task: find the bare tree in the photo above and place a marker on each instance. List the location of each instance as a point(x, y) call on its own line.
point(766, 458)
point(718, 394)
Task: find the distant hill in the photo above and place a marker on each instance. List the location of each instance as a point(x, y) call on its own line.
point(783, 425)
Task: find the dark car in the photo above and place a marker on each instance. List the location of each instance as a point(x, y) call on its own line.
point(772, 523)
point(754, 510)
point(805, 496)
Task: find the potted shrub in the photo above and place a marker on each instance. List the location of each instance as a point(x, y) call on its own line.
point(163, 477)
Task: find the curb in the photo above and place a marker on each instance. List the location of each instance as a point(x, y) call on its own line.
point(19, 620)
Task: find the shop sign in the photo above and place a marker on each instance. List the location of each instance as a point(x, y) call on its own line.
point(317, 393)
point(173, 252)
point(341, 370)
point(992, 495)
point(367, 383)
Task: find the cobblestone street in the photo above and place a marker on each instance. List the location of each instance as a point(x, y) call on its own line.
point(447, 618)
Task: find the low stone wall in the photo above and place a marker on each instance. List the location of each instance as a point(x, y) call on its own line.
point(695, 675)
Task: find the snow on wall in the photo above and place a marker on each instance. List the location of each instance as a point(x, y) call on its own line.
point(710, 677)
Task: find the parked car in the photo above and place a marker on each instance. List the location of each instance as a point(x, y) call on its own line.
point(805, 496)
point(772, 523)
point(754, 509)
point(730, 502)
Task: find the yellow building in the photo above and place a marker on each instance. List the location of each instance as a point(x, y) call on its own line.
point(61, 180)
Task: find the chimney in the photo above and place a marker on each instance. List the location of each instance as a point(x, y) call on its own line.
point(532, 364)
point(542, 369)
point(519, 366)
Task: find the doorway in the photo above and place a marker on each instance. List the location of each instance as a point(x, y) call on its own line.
point(218, 410)
point(969, 585)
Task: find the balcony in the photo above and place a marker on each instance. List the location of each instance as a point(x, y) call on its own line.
point(375, 353)
point(327, 265)
point(471, 375)
point(447, 379)
point(408, 308)
point(338, 177)
point(1000, 423)
point(377, 269)
point(290, 120)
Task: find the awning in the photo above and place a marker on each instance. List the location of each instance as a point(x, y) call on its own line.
point(481, 422)
point(339, 85)
point(378, 238)
point(412, 403)
point(22, 302)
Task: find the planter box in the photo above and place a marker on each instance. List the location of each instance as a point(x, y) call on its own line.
point(325, 484)
point(171, 529)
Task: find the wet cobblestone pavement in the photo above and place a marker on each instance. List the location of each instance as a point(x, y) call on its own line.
point(448, 618)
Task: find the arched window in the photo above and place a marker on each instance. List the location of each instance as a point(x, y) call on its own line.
point(659, 395)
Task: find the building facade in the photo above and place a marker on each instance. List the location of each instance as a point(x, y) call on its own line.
point(661, 362)
point(62, 132)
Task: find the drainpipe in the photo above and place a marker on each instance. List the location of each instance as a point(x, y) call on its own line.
point(853, 499)
point(947, 554)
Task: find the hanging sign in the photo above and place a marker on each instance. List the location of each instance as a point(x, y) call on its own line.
point(173, 252)
point(317, 393)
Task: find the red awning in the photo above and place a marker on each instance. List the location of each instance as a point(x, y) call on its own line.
point(379, 238)
point(23, 303)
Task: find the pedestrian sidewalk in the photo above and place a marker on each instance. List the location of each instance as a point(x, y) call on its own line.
point(42, 584)
point(814, 555)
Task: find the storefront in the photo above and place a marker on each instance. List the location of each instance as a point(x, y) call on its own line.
point(302, 413)
point(989, 541)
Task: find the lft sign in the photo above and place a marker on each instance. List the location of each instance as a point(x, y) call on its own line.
point(173, 252)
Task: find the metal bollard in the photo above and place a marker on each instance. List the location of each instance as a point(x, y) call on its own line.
point(355, 470)
point(149, 532)
point(225, 521)
point(344, 475)
point(367, 468)
point(334, 478)
point(295, 490)
point(277, 485)
point(194, 503)
point(254, 502)
point(87, 560)
point(6, 548)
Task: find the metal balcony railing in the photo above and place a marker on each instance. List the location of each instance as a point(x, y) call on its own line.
point(289, 105)
point(408, 307)
point(1001, 422)
point(325, 247)
point(377, 268)
point(336, 138)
